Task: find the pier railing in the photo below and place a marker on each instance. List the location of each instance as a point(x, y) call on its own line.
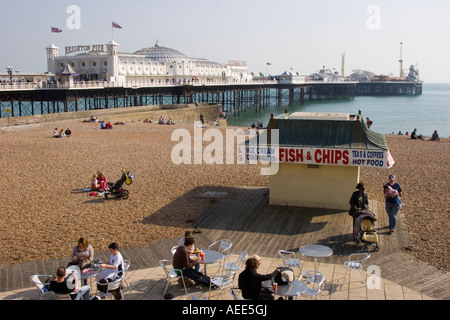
point(130, 84)
point(143, 84)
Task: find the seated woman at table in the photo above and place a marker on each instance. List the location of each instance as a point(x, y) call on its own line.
point(82, 254)
point(249, 280)
point(188, 234)
point(181, 260)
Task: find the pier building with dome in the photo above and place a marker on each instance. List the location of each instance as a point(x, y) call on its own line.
point(156, 65)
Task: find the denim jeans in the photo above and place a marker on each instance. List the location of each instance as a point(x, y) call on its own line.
point(196, 276)
point(392, 210)
point(84, 292)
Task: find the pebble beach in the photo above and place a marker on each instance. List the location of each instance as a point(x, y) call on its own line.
point(44, 209)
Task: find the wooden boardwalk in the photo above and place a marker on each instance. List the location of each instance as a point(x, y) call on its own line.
point(246, 218)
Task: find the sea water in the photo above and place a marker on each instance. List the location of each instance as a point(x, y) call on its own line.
point(390, 114)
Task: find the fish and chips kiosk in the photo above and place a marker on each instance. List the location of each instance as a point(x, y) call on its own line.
point(319, 156)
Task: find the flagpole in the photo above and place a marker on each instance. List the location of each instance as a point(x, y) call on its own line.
point(112, 30)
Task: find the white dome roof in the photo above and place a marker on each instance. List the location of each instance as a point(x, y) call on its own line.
point(163, 54)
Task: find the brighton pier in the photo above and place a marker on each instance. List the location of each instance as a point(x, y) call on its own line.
point(103, 78)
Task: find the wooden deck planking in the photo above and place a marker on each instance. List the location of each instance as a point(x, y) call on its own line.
point(253, 225)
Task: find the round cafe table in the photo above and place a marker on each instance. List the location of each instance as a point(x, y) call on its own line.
point(211, 256)
point(316, 251)
point(85, 275)
point(291, 290)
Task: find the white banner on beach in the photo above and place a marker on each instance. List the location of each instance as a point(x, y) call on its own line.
point(316, 156)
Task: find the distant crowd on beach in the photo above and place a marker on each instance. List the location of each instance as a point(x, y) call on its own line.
point(416, 136)
point(255, 127)
point(61, 133)
point(107, 124)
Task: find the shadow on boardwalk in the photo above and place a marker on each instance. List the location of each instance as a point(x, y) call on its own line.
point(244, 216)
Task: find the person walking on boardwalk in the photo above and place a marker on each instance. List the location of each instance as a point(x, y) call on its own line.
point(391, 205)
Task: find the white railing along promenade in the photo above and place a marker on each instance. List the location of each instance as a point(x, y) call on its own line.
point(139, 84)
point(130, 84)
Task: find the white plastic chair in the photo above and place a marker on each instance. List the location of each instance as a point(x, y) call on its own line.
point(314, 280)
point(42, 289)
point(196, 296)
point(173, 250)
point(224, 281)
point(355, 262)
point(172, 273)
point(234, 265)
point(290, 260)
point(221, 245)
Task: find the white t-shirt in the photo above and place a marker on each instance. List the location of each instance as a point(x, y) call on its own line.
point(117, 261)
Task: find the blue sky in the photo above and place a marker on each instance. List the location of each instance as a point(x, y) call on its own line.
point(297, 34)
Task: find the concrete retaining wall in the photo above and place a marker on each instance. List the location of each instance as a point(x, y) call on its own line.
point(180, 114)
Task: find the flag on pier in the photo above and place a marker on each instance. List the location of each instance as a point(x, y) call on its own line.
point(56, 30)
point(115, 25)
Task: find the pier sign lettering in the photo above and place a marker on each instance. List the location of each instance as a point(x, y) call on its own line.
point(85, 48)
point(319, 156)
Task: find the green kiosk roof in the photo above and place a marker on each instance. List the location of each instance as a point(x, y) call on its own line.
point(325, 130)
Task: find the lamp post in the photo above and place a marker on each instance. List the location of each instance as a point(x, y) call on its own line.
point(401, 60)
point(9, 70)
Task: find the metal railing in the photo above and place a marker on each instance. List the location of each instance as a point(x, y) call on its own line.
point(130, 84)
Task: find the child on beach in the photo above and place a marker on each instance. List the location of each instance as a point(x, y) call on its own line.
point(102, 181)
point(94, 182)
point(392, 193)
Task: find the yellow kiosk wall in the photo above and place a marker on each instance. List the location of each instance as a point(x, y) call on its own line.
point(316, 187)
